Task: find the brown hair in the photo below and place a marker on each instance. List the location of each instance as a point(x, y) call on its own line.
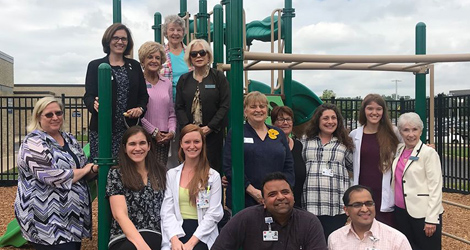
point(108, 36)
point(281, 110)
point(313, 127)
point(386, 137)
point(201, 175)
point(131, 179)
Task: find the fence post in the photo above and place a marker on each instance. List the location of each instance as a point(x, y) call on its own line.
point(440, 111)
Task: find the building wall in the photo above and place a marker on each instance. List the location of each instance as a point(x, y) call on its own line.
point(6, 74)
point(49, 89)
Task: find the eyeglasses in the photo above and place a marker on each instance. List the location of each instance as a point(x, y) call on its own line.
point(201, 52)
point(360, 204)
point(51, 114)
point(116, 39)
point(282, 120)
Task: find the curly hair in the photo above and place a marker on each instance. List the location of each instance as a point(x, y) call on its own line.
point(313, 126)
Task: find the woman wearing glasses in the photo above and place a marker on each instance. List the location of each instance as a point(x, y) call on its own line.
point(129, 92)
point(265, 150)
point(53, 204)
point(203, 98)
point(283, 118)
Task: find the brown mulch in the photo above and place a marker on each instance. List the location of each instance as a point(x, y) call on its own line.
point(456, 220)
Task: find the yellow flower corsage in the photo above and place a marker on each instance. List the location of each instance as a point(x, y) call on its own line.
point(272, 133)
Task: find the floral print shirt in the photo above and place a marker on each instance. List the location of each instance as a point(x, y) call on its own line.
point(143, 206)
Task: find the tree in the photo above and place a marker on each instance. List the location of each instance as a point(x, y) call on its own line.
point(328, 94)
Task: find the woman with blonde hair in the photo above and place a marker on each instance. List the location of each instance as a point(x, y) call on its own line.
point(53, 202)
point(160, 120)
point(203, 98)
point(192, 205)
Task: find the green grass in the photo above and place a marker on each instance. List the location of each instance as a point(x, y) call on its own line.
point(82, 137)
point(458, 152)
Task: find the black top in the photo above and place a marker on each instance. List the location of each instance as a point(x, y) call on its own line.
point(300, 171)
point(245, 230)
point(137, 96)
point(214, 96)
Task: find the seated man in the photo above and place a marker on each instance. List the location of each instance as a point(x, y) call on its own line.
point(365, 232)
point(276, 225)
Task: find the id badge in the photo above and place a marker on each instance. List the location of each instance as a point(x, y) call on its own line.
point(327, 172)
point(203, 199)
point(372, 248)
point(270, 236)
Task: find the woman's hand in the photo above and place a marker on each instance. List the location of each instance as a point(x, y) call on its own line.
point(176, 244)
point(134, 112)
point(96, 104)
point(429, 229)
point(206, 130)
point(164, 137)
point(224, 181)
point(255, 193)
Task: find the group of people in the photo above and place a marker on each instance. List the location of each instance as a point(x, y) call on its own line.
point(298, 192)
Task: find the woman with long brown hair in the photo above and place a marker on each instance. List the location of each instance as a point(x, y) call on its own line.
point(135, 190)
point(327, 154)
point(375, 144)
point(192, 206)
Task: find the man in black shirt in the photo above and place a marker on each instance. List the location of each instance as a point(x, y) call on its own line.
point(275, 225)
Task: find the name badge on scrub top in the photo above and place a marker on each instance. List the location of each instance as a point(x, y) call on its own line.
point(202, 201)
point(210, 86)
point(248, 140)
point(270, 235)
point(327, 172)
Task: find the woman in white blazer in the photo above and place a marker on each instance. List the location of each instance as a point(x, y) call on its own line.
point(192, 205)
point(372, 160)
point(417, 182)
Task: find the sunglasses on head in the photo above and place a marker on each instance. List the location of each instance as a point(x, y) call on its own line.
point(194, 54)
point(51, 114)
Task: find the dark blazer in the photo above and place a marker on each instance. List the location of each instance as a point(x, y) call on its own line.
point(215, 99)
point(138, 96)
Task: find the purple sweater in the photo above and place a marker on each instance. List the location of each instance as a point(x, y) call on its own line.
point(160, 108)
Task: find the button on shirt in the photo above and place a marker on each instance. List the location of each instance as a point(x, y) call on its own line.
point(386, 238)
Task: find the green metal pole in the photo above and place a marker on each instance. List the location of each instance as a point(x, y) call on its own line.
point(288, 14)
point(236, 89)
point(420, 79)
point(228, 23)
point(104, 159)
point(183, 8)
point(202, 17)
point(157, 27)
point(218, 34)
point(116, 11)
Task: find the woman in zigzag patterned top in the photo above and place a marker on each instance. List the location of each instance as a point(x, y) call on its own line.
point(53, 204)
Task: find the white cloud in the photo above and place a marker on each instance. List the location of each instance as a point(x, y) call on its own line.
point(52, 41)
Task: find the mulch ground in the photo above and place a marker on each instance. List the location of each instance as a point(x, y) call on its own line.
point(456, 220)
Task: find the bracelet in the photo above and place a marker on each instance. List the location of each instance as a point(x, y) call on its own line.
point(155, 132)
point(141, 109)
point(93, 171)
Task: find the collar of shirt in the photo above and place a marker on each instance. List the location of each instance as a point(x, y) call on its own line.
point(374, 231)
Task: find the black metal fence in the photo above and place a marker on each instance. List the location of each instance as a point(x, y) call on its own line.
point(452, 115)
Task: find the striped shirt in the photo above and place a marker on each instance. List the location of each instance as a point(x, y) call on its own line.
point(327, 175)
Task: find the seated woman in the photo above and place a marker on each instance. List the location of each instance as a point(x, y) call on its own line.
point(192, 206)
point(135, 191)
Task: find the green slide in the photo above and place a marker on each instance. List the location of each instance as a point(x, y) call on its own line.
point(13, 237)
point(304, 101)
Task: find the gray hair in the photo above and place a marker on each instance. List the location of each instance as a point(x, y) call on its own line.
point(410, 118)
point(173, 19)
point(40, 105)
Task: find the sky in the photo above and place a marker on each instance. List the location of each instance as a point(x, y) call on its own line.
point(52, 41)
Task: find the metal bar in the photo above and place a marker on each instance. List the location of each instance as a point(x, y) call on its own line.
point(322, 66)
point(247, 66)
point(418, 65)
point(293, 64)
point(456, 237)
point(335, 65)
point(376, 65)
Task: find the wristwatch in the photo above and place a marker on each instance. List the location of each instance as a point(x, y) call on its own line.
point(155, 132)
point(141, 109)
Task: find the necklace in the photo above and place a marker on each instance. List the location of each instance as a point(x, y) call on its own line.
point(204, 76)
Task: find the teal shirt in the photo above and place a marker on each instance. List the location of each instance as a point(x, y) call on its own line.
point(179, 67)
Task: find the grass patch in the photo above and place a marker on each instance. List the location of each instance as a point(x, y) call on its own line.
point(457, 152)
point(82, 137)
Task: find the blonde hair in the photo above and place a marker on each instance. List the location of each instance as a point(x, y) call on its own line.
point(40, 105)
point(254, 97)
point(205, 45)
point(149, 48)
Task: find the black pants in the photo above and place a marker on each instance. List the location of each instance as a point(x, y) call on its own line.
point(413, 229)
point(332, 223)
point(153, 240)
point(65, 246)
point(189, 227)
